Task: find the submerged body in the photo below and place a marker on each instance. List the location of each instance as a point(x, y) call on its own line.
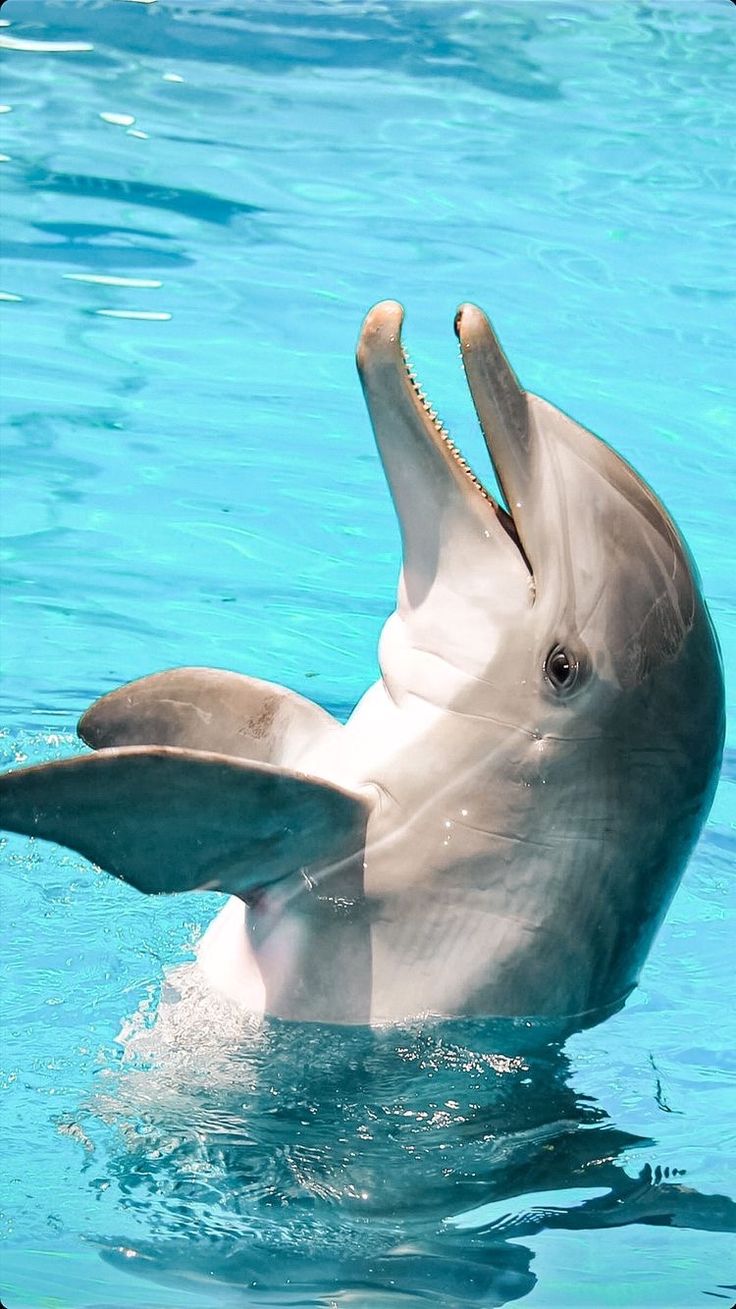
point(499, 827)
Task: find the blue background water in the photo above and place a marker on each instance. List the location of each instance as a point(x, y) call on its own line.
point(200, 202)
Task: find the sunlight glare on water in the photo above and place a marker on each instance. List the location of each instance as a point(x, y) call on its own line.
point(200, 202)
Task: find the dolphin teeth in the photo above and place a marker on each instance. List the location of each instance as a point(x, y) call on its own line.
point(439, 426)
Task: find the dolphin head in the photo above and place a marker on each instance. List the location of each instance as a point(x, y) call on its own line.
point(569, 621)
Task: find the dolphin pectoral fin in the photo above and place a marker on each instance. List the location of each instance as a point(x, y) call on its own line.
point(207, 709)
point(169, 820)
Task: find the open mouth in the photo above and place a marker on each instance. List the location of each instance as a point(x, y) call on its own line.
point(430, 415)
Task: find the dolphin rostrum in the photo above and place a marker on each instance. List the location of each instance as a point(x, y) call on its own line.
point(499, 827)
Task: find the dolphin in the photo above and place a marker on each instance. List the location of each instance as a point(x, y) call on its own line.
point(500, 825)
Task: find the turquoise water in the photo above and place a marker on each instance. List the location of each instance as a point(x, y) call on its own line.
point(200, 202)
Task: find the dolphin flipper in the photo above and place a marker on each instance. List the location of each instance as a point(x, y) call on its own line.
point(208, 709)
point(169, 820)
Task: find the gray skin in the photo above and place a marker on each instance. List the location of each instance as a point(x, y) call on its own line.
point(501, 824)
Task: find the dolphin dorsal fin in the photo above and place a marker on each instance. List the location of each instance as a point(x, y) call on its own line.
point(208, 709)
point(168, 820)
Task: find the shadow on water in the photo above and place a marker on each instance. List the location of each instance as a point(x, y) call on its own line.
point(107, 237)
point(194, 204)
point(306, 1162)
point(97, 241)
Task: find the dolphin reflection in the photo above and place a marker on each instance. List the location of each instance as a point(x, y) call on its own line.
point(308, 1163)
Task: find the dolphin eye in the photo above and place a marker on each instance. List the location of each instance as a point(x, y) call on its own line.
point(561, 669)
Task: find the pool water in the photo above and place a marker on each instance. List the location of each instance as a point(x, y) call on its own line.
point(200, 201)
